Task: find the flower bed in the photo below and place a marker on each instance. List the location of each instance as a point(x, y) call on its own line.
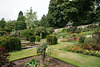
point(78, 49)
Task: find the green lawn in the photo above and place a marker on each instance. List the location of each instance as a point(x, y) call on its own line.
point(75, 58)
point(22, 54)
point(69, 57)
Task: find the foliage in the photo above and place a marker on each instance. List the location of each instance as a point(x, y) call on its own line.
point(90, 41)
point(30, 18)
point(3, 56)
point(81, 39)
point(98, 14)
point(2, 23)
point(20, 25)
point(43, 21)
point(32, 38)
point(51, 39)
point(42, 50)
point(86, 52)
point(32, 63)
point(79, 12)
point(10, 25)
point(26, 33)
point(55, 16)
point(37, 39)
point(96, 36)
point(2, 33)
point(12, 44)
point(91, 52)
point(50, 30)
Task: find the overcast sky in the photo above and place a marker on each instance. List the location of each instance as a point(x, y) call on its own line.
point(9, 9)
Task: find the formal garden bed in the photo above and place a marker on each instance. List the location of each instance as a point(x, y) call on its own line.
point(52, 62)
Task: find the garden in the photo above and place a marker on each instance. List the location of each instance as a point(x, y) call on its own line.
point(68, 36)
point(66, 47)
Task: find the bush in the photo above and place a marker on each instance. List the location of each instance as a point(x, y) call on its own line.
point(81, 39)
point(2, 39)
point(51, 39)
point(26, 33)
point(37, 39)
point(2, 33)
point(3, 56)
point(92, 52)
point(86, 52)
point(12, 44)
point(98, 54)
point(90, 41)
point(32, 39)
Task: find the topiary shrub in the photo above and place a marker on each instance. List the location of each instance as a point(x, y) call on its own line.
point(51, 39)
point(32, 39)
point(37, 39)
point(12, 44)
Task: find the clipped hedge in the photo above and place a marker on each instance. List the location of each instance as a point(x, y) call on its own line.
point(32, 38)
point(12, 44)
point(51, 39)
point(37, 39)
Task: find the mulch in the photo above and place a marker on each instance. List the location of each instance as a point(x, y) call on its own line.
point(53, 62)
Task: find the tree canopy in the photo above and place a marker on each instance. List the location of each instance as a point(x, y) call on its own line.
point(2, 23)
point(30, 18)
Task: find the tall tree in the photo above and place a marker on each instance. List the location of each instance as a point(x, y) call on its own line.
point(43, 21)
point(55, 15)
point(30, 18)
point(20, 16)
point(20, 13)
point(79, 12)
point(2, 23)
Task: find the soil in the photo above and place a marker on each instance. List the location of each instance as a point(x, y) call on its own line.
point(53, 62)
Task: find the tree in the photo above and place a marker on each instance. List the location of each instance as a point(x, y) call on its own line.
point(78, 11)
point(98, 14)
point(30, 18)
point(55, 16)
point(9, 26)
point(20, 13)
point(20, 25)
point(43, 21)
point(21, 17)
point(2, 23)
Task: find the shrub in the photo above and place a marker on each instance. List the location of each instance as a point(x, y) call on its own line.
point(98, 54)
point(3, 56)
point(91, 52)
point(37, 39)
point(86, 52)
point(12, 44)
point(90, 43)
point(32, 39)
point(51, 39)
point(81, 39)
point(26, 33)
point(2, 39)
point(2, 33)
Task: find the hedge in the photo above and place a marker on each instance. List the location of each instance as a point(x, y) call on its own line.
point(32, 39)
point(51, 39)
point(11, 44)
point(37, 39)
